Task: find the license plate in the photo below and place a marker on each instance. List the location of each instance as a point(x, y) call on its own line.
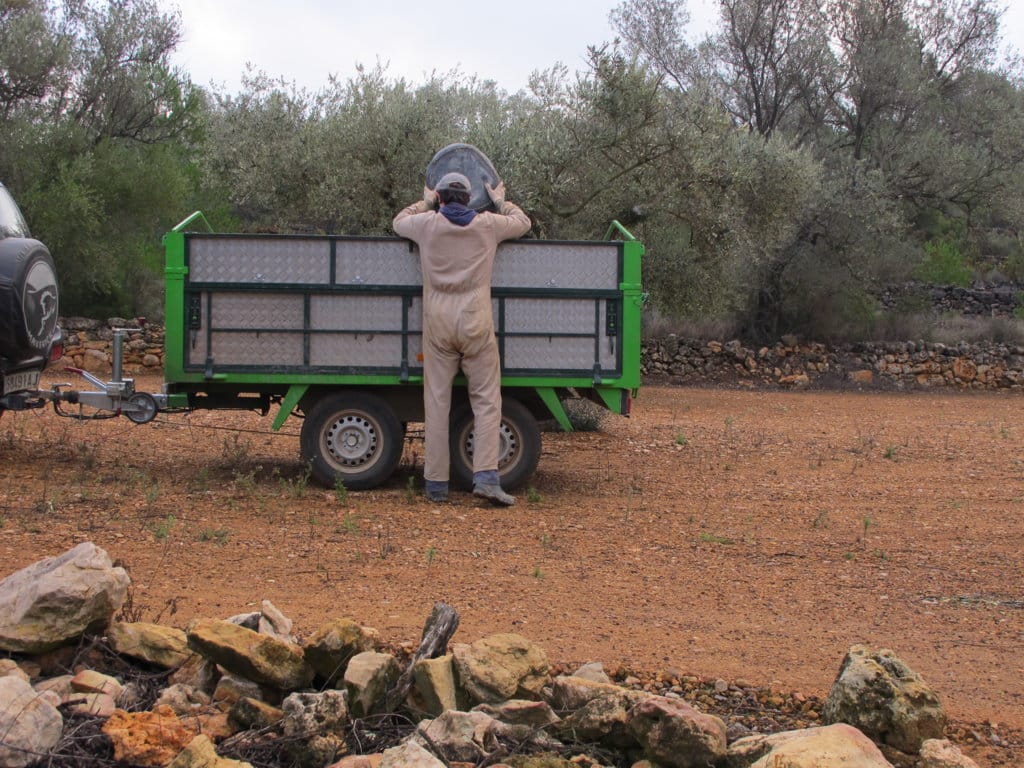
point(13, 382)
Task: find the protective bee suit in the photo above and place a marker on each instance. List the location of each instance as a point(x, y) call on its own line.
point(457, 247)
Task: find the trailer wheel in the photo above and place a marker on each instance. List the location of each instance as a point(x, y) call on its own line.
point(518, 453)
point(352, 437)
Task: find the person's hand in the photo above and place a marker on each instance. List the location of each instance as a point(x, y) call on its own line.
point(430, 198)
point(497, 195)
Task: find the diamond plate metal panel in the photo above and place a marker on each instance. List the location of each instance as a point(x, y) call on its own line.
point(256, 310)
point(377, 262)
point(269, 349)
point(557, 265)
point(259, 260)
point(361, 350)
point(550, 315)
point(550, 353)
point(379, 313)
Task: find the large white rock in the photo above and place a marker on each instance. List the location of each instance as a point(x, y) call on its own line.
point(29, 725)
point(56, 600)
point(879, 694)
point(828, 747)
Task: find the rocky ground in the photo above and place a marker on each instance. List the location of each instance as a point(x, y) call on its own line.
point(746, 537)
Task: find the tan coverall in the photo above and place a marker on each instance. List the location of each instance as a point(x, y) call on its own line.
point(458, 325)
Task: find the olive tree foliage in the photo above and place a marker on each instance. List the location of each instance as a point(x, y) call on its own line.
point(896, 105)
point(94, 129)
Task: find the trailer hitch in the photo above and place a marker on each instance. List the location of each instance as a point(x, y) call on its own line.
point(113, 398)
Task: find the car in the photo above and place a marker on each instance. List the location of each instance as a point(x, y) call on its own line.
point(30, 336)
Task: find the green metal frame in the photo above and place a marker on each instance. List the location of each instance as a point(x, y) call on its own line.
point(295, 385)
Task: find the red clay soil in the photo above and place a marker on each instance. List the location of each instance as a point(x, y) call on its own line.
point(751, 535)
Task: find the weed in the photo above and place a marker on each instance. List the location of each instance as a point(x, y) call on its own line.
point(384, 545)
point(246, 481)
point(546, 541)
point(821, 521)
point(296, 487)
point(235, 449)
point(714, 539)
point(1005, 433)
point(532, 495)
point(410, 489)
point(850, 556)
point(537, 572)
point(681, 439)
point(349, 523)
point(162, 530)
point(881, 554)
point(340, 491)
point(218, 536)
point(868, 522)
point(890, 453)
point(202, 481)
point(431, 554)
point(87, 455)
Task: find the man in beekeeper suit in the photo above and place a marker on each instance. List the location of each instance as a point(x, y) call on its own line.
point(457, 247)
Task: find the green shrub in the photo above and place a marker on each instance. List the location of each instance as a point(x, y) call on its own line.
point(944, 264)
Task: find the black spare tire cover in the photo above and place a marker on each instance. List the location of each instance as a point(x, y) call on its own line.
point(28, 298)
point(471, 163)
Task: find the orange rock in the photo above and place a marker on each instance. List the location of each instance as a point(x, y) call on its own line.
point(147, 738)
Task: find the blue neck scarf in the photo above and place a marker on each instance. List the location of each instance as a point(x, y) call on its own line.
point(457, 213)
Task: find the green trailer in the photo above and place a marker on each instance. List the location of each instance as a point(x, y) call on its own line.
point(328, 328)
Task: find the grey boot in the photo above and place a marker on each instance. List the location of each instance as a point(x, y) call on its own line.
point(493, 493)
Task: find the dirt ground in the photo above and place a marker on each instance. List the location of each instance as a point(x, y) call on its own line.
point(751, 535)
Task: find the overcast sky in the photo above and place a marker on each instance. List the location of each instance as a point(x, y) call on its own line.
point(305, 41)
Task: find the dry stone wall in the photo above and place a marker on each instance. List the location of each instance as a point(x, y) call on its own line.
point(88, 344)
point(787, 363)
point(792, 363)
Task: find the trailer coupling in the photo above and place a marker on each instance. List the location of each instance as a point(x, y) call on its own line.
point(113, 398)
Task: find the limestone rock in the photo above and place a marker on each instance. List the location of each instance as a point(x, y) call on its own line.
point(96, 704)
point(834, 745)
point(9, 667)
point(90, 681)
point(29, 725)
point(314, 724)
point(569, 693)
point(230, 688)
point(147, 738)
point(57, 600)
point(260, 658)
point(675, 735)
point(165, 647)
point(460, 736)
point(879, 694)
point(183, 699)
point(501, 667)
point(197, 672)
point(359, 761)
point(602, 716)
point(409, 755)
point(436, 686)
point(274, 623)
point(330, 649)
point(941, 753)
point(523, 722)
point(200, 753)
point(249, 714)
point(594, 672)
point(368, 677)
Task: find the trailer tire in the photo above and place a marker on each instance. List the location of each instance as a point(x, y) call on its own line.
point(351, 437)
point(518, 455)
point(28, 299)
